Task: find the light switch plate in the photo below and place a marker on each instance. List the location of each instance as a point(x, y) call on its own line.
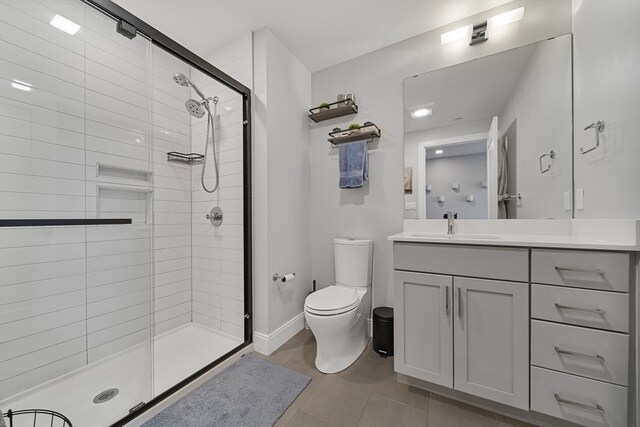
point(410, 206)
point(580, 199)
point(567, 201)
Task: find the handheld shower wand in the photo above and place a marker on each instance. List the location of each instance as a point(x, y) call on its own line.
point(198, 109)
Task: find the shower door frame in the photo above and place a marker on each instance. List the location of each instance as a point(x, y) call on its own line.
point(166, 43)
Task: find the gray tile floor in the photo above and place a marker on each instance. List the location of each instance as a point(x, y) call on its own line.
point(367, 395)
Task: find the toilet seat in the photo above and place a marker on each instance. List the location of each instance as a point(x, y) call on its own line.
point(331, 301)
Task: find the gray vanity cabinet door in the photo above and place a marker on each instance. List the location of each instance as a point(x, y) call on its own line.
point(491, 339)
point(423, 327)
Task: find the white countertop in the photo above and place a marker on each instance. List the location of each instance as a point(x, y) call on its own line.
point(613, 235)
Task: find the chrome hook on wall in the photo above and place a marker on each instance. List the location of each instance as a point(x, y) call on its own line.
point(551, 155)
point(599, 128)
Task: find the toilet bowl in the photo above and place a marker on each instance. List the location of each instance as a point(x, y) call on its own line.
point(337, 314)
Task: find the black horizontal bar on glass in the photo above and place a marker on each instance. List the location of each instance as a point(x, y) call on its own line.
point(56, 222)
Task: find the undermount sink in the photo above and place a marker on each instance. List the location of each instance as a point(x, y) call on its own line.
point(460, 236)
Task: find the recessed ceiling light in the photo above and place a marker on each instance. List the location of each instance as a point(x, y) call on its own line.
point(506, 18)
point(421, 112)
point(454, 35)
point(64, 24)
point(20, 85)
point(439, 151)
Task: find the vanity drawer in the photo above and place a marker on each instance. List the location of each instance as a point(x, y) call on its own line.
point(474, 261)
point(609, 271)
point(554, 302)
point(575, 398)
point(600, 355)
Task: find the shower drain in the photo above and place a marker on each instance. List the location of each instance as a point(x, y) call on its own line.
point(106, 395)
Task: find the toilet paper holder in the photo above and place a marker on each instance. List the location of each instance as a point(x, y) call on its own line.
point(284, 278)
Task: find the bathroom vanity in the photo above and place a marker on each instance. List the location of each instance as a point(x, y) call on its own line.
point(537, 327)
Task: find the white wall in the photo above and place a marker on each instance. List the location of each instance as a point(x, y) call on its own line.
point(541, 102)
point(218, 252)
point(281, 182)
point(607, 87)
point(376, 210)
point(469, 171)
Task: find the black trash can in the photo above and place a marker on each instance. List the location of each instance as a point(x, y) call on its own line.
point(383, 331)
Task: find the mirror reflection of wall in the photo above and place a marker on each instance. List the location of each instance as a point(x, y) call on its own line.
point(522, 99)
point(458, 173)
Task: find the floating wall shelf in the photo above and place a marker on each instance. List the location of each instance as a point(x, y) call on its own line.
point(368, 131)
point(335, 109)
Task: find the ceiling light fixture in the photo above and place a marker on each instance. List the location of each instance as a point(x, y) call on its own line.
point(20, 85)
point(64, 24)
point(421, 112)
point(506, 18)
point(478, 33)
point(454, 35)
point(439, 151)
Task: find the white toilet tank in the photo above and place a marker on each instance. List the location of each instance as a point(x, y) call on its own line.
point(353, 260)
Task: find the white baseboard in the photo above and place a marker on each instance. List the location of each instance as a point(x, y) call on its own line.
point(268, 343)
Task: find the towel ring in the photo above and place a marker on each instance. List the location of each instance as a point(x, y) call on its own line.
point(551, 155)
point(599, 128)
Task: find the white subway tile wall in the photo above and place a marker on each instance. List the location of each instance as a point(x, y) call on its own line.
point(86, 122)
point(172, 195)
point(68, 103)
point(218, 275)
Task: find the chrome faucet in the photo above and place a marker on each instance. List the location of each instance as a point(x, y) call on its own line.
point(450, 217)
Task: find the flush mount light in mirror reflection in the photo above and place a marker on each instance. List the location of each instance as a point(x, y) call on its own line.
point(478, 136)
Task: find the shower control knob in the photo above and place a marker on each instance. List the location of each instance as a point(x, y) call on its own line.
point(215, 216)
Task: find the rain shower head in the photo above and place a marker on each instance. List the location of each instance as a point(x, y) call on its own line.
point(195, 108)
point(183, 80)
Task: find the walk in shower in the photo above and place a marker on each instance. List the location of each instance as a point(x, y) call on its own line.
point(115, 284)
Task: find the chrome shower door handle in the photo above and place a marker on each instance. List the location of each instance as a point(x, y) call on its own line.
point(599, 128)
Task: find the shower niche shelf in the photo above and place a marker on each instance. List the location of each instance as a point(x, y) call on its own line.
point(368, 132)
point(188, 158)
point(333, 110)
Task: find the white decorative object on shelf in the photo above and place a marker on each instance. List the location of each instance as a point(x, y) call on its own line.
point(455, 186)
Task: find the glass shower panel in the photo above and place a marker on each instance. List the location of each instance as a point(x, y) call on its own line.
point(75, 145)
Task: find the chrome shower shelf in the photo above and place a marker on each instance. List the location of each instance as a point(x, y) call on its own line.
point(368, 132)
point(188, 158)
point(333, 110)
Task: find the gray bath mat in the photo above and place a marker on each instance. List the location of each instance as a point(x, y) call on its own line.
point(250, 393)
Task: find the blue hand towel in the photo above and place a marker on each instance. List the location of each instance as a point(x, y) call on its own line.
point(354, 164)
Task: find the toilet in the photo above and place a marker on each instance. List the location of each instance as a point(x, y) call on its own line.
point(337, 314)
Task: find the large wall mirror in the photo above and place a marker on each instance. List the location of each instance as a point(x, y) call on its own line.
point(492, 137)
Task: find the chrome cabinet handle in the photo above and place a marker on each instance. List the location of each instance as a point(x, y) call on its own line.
point(459, 302)
point(446, 301)
point(599, 128)
point(595, 407)
point(586, 310)
point(572, 353)
point(581, 270)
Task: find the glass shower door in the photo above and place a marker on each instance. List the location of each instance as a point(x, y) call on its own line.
point(76, 213)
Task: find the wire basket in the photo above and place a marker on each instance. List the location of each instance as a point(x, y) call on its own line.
point(36, 418)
